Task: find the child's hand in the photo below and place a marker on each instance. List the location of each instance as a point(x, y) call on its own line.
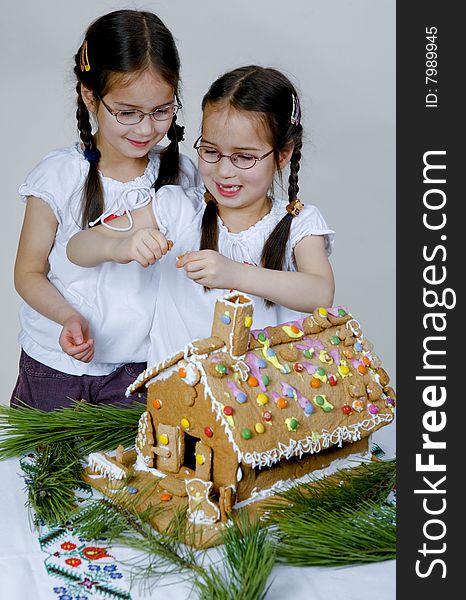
point(209, 268)
point(75, 338)
point(145, 246)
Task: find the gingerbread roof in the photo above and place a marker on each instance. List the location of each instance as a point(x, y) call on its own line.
point(299, 388)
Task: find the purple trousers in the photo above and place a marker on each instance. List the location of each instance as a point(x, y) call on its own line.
point(42, 387)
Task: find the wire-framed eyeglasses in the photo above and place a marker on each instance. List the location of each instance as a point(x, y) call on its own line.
point(242, 160)
point(135, 116)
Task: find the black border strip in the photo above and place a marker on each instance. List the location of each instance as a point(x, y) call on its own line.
point(430, 269)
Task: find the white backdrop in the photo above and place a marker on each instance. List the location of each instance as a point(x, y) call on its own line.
point(341, 56)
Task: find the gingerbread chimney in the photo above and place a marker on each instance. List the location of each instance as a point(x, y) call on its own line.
point(232, 323)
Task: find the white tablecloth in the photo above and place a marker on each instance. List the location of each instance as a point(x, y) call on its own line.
point(23, 572)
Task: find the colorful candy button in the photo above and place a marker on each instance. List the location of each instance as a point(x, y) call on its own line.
point(221, 368)
point(252, 381)
point(225, 319)
point(315, 383)
point(332, 380)
point(341, 312)
point(262, 399)
point(165, 497)
point(335, 340)
point(228, 411)
point(267, 415)
point(246, 434)
point(163, 439)
point(259, 427)
point(200, 460)
point(157, 404)
point(247, 321)
point(292, 423)
point(346, 408)
point(208, 432)
point(308, 353)
point(185, 423)
point(373, 409)
point(282, 403)
point(265, 379)
point(322, 312)
point(321, 402)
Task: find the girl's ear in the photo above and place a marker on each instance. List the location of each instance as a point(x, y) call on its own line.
point(285, 155)
point(88, 98)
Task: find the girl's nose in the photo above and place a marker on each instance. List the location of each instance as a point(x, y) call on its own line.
point(146, 126)
point(225, 167)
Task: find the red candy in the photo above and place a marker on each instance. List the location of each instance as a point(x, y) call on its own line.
point(208, 432)
point(228, 411)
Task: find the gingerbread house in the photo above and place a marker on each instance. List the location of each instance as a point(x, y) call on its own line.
point(232, 417)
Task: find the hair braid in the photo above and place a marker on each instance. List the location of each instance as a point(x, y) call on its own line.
point(93, 193)
point(293, 187)
point(170, 157)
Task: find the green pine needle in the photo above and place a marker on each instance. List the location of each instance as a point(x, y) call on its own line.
point(98, 428)
point(338, 520)
point(54, 473)
point(339, 537)
point(248, 558)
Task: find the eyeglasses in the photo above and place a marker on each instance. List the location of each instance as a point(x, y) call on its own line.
point(242, 160)
point(133, 117)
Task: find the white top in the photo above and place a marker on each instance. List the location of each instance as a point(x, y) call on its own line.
point(117, 300)
point(184, 311)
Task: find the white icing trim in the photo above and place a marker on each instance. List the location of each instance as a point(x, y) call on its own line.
point(98, 462)
point(308, 446)
point(281, 486)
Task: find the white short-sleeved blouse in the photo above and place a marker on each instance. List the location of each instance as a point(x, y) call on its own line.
point(184, 311)
point(117, 300)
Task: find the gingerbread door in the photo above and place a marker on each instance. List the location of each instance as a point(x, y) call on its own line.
point(203, 461)
point(169, 448)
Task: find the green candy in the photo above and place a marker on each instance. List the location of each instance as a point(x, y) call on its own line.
point(246, 434)
point(265, 379)
point(341, 312)
point(294, 423)
point(320, 371)
point(335, 340)
point(320, 401)
point(221, 368)
point(262, 337)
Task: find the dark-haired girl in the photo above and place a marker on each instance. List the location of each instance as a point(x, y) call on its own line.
point(85, 333)
point(238, 235)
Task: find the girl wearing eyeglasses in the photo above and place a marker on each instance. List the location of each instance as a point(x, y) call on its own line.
point(239, 234)
point(85, 333)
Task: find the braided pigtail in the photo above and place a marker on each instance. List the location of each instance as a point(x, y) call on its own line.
point(169, 170)
point(93, 196)
point(273, 254)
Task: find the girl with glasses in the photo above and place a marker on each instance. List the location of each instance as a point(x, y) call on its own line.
point(85, 333)
point(239, 234)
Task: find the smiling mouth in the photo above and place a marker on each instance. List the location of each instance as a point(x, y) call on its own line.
point(138, 143)
point(228, 190)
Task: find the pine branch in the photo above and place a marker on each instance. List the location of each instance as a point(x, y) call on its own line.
point(367, 481)
point(339, 537)
point(52, 477)
point(248, 557)
point(95, 428)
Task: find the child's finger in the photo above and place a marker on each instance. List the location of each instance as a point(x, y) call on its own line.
point(72, 350)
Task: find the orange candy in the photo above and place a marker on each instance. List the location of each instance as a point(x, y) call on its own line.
point(315, 383)
point(294, 329)
point(165, 497)
point(157, 404)
point(362, 369)
point(366, 361)
point(282, 403)
point(252, 381)
point(182, 372)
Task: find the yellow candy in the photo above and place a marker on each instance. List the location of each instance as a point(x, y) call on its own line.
point(163, 439)
point(184, 423)
point(200, 459)
point(248, 321)
point(323, 312)
point(259, 428)
point(262, 399)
